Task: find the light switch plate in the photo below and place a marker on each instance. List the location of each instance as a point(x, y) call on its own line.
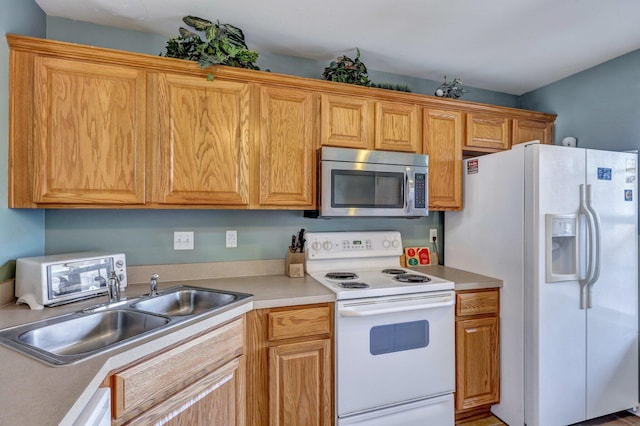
point(183, 240)
point(231, 238)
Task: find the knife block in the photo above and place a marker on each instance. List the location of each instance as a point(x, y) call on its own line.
point(294, 264)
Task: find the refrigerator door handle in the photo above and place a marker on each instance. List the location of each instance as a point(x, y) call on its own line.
point(596, 244)
point(584, 283)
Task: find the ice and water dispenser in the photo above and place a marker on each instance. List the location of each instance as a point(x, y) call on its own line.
point(562, 247)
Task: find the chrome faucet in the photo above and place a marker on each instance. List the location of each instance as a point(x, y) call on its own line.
point(153, 284)
point(113, 287)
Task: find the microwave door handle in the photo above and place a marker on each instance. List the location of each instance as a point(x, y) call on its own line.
point(409, 191)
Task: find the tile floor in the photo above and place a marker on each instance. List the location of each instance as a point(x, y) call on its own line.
point(619, 419)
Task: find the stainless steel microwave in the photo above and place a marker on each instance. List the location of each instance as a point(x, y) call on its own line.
point(361, 183)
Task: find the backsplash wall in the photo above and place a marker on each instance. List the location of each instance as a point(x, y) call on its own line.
point(146, 236)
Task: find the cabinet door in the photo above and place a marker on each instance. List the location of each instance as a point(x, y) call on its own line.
point(300, 384)
point(443, 144)
point(346, 122)
point(477, 362)
point(397, 127)
point(487, 133)
point(530, 130)
point(202, 156)
point(216, 399)
point(89, 133)
point(286, 169)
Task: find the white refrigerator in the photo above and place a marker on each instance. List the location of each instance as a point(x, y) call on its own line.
point(559, 226)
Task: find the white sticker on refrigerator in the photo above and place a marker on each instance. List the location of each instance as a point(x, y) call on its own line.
point(631, 165)
point(472, 167)
point(631, 179)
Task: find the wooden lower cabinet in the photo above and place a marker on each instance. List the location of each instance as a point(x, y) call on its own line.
point(216, 399)
point(290, 366)
point(477, 353)
point(198, 381)
point(299, 376)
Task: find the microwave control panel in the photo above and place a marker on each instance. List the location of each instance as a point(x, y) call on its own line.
point(421, 190)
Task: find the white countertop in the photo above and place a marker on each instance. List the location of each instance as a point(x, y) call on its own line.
point(34, 393)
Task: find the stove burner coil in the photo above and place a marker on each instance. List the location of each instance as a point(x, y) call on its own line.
point(341, 276)
point(412, 278)
point(354, 284)
point(394, 271)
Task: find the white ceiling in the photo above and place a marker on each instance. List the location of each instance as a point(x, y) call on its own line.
point(511, 46)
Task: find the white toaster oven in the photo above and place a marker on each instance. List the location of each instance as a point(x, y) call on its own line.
point(65, 278)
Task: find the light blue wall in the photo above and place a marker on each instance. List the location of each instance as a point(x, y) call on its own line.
point(21, 231)
point(599, 106)
point(146, 236)
point(154, 44)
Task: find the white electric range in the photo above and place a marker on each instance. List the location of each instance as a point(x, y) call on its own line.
point(395, 350)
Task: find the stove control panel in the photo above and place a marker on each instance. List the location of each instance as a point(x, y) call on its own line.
point(328, 245)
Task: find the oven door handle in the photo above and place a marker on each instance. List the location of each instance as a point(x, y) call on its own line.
point(398, 305)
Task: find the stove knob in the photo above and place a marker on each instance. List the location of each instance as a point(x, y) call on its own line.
point(386, 243)
point(316, 246)
point(327, 245)
point(396, 243)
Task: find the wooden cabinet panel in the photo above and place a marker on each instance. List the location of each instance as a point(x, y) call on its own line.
point(202, 155)
point(443, 133)
point(148, 383)
point(477, 362)
point(290, 372)
point(346, 121)
point(477, 352)
point(397, 127)
point(290, 323)
point(530, 130)
point(477, 303)
point(89, 133)
point(216, 399)
point(286, 170)
point(487, 133)
point(300, 383)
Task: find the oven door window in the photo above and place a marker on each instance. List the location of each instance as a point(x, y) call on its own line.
point(367, 189)
point(384, 339)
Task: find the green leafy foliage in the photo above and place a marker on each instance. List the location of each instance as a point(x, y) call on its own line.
point(347, 70)
point(392, 86)
point(223, 45)
point(452, 89)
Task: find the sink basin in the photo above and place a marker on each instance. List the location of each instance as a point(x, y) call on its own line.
point(69, 338)
point(187, 301)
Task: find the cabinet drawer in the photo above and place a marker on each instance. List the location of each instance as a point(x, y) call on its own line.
point(299, 322)
point(477, 303)
point(152, 381)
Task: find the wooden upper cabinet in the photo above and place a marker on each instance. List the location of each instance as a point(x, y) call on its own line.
point(443, 134)
point(285, 173)
point(397, 127)
point(346, 121)
point(88, 133)
point(530, 130)
point(487, 132)
point(202, 141)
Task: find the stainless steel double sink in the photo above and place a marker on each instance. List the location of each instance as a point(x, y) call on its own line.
point(70, 338)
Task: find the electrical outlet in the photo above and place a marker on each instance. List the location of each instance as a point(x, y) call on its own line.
point(183, 240)
point(433, 233)
point(232, 238)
